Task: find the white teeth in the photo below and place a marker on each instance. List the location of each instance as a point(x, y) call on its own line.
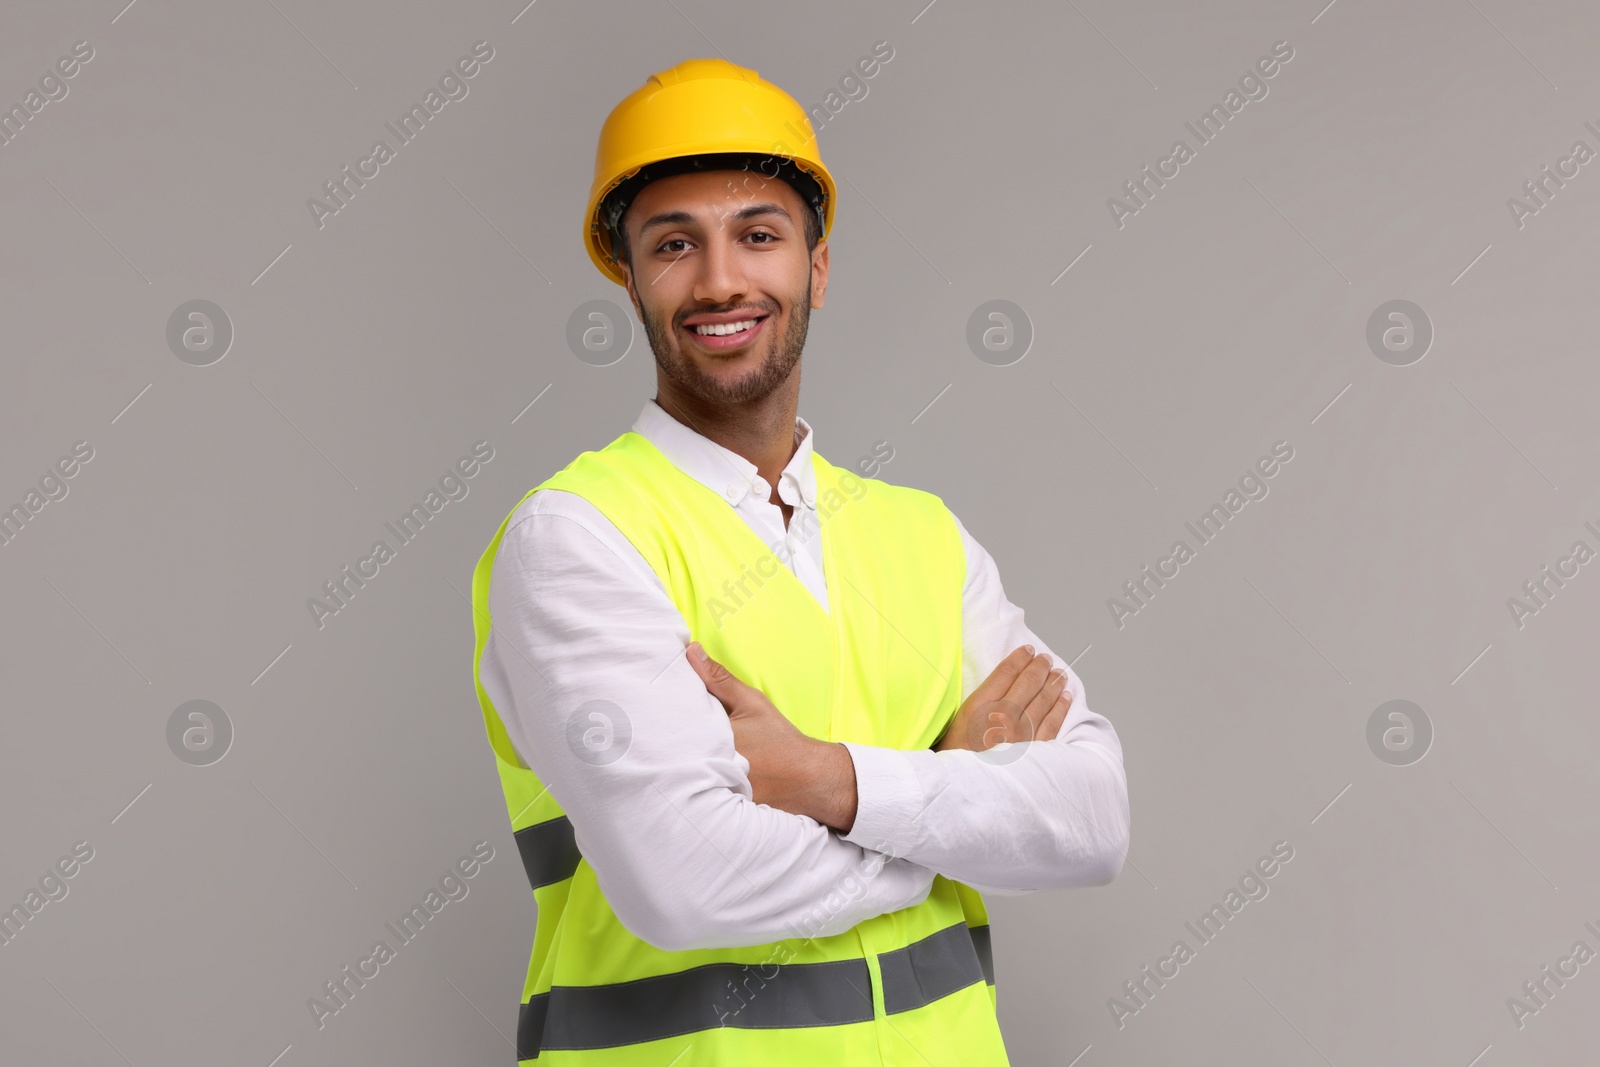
point(722, 329)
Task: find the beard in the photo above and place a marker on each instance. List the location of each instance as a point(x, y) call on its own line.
point(782, 354)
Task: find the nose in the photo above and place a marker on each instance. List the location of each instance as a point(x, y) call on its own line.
point(721, 278)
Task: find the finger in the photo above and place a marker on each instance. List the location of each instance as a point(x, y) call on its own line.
point(719, 681)
point(1039, 707)
point(1004, 674)
point(1050, 729)
point(1029, 681)
point(704, 666)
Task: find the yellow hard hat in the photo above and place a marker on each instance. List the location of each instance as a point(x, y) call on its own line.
point(700, 107)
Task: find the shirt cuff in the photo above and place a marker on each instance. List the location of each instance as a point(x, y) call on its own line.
point(888, 799)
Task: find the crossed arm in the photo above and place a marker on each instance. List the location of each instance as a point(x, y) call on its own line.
point(934, 807)
point(686, 852)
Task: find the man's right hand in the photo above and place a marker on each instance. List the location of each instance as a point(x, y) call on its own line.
point(1023, 699)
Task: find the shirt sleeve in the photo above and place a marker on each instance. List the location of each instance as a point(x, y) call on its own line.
point(663, 810)
point(1019, 817)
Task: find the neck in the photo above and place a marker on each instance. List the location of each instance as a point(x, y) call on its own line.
point(762, 431)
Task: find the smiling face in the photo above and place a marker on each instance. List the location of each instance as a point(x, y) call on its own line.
point(719, 272)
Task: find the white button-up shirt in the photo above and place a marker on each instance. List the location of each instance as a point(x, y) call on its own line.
point(684, 855)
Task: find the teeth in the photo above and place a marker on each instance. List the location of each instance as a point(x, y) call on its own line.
point(722, 329)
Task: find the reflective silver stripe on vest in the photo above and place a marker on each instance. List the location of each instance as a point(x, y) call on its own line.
point(732, 994)
point(926, 970)
point(701, 998)
point(549, 851)
point(980, 942)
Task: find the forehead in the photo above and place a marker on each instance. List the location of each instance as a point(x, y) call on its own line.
point(711, 194)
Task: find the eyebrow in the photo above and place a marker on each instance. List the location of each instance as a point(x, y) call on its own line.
point(683, 218)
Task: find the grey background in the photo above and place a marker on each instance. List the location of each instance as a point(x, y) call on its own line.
point(1229, 314)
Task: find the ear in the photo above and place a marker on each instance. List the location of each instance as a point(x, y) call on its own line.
point(819, 273)
point(627, 281)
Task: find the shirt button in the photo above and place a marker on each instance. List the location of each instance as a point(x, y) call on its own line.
point(734, 492)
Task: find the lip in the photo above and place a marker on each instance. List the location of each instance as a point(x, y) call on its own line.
point(730, 342)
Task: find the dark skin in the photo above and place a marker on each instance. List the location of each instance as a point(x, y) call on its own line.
point(716, 242)
point(731, 244)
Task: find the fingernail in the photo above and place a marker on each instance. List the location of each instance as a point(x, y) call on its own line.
point(1030, 650)
point(696, 652)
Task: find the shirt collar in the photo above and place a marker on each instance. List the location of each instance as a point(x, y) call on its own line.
point(722, 470)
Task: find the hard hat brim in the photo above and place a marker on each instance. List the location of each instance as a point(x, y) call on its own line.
point(598, 240)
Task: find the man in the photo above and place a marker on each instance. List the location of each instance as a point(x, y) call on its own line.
point(766, 729)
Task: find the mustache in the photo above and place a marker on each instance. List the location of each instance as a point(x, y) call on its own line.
point(726, 311)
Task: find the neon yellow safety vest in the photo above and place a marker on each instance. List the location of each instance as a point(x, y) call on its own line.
point(881, 667)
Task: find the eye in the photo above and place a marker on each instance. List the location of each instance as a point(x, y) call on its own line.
point(674, 241)
point(763, 233)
